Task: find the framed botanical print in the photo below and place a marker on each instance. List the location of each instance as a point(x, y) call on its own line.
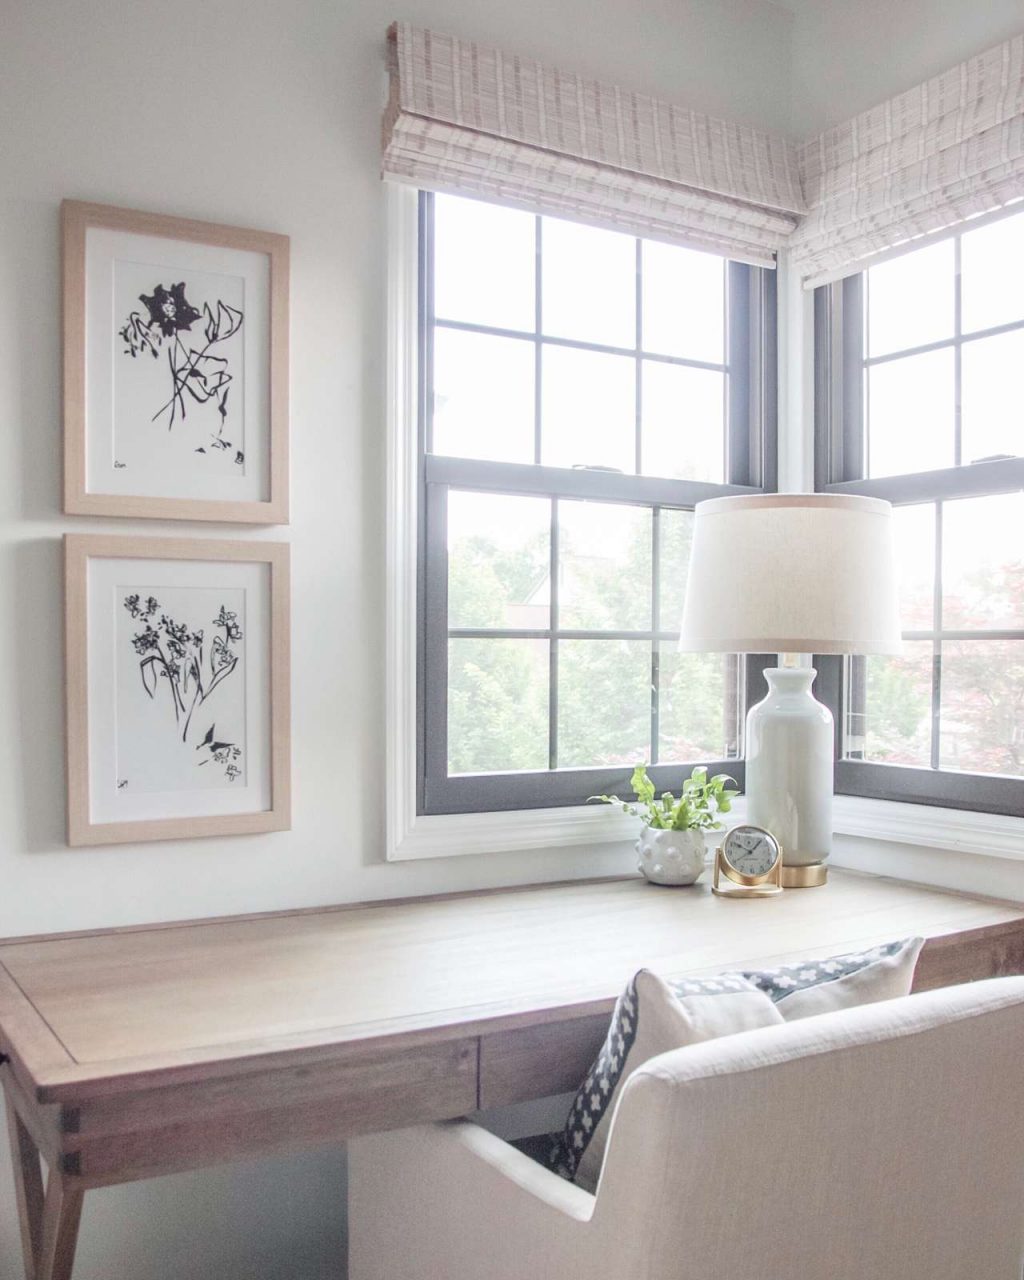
point(175, 368)
point(177, 688)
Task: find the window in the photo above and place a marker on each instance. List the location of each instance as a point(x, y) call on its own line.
point(920, 400)
point(580, 391)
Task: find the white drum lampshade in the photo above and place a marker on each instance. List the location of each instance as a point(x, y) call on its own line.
point(792, 573)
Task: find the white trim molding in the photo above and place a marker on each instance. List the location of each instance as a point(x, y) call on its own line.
point(514, 831)
point(900, 834)
point(402, 516)
point(411, 835)
point(993, 835)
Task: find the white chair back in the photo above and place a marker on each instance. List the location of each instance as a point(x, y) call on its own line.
point(879, 1143)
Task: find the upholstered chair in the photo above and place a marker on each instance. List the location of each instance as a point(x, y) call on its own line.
point(884, 1142)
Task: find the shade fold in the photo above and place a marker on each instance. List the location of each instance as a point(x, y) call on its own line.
point(471, 119)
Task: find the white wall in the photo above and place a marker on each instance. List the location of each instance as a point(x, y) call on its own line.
point(849, 55)
point(267, 115)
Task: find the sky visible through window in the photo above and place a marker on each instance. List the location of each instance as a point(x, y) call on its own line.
point(608, 351)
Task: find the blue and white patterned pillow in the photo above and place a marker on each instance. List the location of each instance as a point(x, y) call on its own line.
point(652, 1016)
point(818, 986)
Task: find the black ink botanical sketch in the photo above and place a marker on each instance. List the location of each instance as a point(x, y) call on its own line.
point(195, 372)
point(189, 667)
point(225, 753)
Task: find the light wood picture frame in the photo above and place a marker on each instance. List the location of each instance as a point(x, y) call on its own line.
point(175, 367)
point(177, 686)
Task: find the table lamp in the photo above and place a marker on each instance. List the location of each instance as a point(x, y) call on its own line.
point(788, 574)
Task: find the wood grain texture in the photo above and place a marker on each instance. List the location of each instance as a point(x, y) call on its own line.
point(537, 1062)
point(26, 1038)
point(62, 1213)
point(968, 956)
point(28, 1189)
point(166, 1130)
point(76, 218)
point(79, 549)
point(42, 1121)
point(144, 1051)
point(230, 998)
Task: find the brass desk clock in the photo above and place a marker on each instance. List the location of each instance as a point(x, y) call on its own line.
point(750, 860)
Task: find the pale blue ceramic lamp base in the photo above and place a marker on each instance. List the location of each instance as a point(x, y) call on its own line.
point(789, 773)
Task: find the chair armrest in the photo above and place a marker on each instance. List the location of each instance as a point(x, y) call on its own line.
point(458, 1139)
point(453, 1200)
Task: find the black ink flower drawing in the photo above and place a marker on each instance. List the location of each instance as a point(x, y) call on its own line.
point(223, 753)
point(196, 373)
point(177, 657)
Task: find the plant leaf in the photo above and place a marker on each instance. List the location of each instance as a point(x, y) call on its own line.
point(147, 670)
point(642, 785)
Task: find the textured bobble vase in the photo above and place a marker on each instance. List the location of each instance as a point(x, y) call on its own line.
point(670, 857)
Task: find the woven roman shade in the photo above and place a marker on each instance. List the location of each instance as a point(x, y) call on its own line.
point(473, 120)
point(926, 160)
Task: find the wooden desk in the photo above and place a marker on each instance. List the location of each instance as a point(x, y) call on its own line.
point(139, 1052)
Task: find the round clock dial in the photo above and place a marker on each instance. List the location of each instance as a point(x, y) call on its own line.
point(751, 851)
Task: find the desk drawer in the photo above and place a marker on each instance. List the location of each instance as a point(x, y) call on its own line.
point(537, 1062)
point(129, 1136)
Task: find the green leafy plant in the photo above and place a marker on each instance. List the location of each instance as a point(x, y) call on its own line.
point(697, 808)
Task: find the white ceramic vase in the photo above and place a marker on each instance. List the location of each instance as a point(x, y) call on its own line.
point(789, 766)
point(670, 857)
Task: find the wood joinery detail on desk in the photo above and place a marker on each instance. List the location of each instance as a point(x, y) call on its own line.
point(28, 1186)
point(48, 1219)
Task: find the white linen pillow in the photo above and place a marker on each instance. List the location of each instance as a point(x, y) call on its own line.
point(650, 1018)
point(820, 986)
point(653, 1016)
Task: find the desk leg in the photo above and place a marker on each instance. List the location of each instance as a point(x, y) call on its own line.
point(62, 1212)
point(28, 1185)
point(49, 1224)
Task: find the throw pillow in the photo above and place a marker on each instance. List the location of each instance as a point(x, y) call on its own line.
point(653, 1016)
point(819, 986)
point(650, 1017)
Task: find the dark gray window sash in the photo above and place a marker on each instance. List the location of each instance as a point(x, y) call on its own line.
point(840, 464)
point(751, 463)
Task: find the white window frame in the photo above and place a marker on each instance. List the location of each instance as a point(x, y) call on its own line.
point(863, 826)
point(411, 835)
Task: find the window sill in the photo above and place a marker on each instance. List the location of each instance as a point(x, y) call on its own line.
point(453, 835)
point(992, 835)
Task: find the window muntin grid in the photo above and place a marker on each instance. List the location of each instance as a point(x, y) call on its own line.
point(943, 723)
point(566, 368)
point(741, 446)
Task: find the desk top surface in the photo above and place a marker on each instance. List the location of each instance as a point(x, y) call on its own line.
point(111, 1008)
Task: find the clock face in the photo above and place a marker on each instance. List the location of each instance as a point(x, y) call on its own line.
point(750, 851)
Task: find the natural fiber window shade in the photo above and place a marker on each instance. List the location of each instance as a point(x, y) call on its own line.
point(929, 159)
point(476, 121)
